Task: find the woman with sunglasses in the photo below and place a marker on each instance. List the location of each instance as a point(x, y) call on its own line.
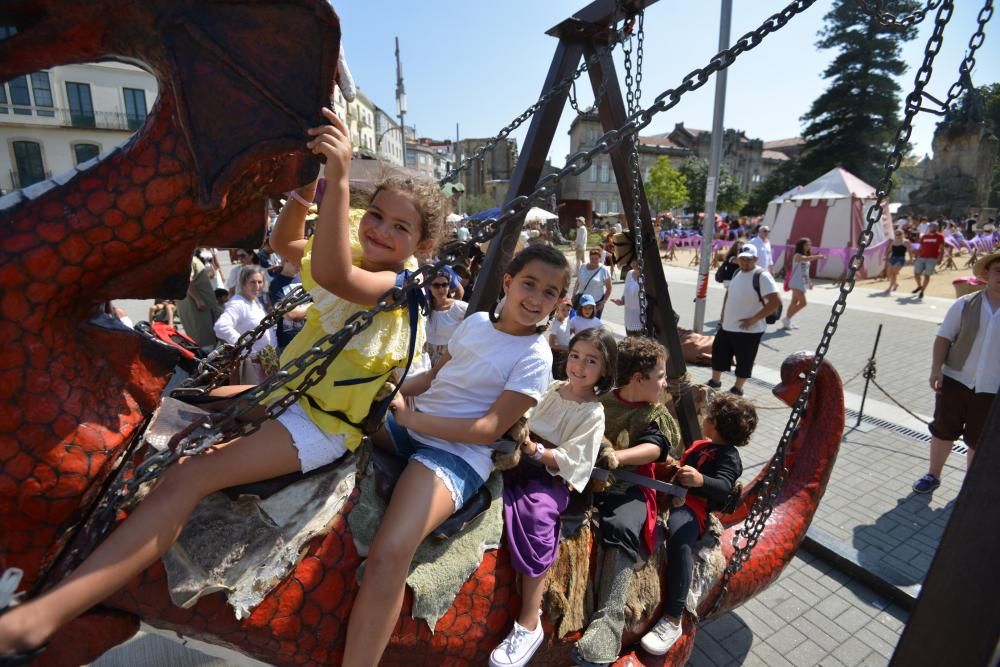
point(446, 313)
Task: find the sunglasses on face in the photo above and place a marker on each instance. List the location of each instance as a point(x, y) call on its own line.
point(439, 285)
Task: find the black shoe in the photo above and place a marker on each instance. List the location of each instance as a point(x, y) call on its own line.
point(735, 390)
point(921, 295)
point(714, 384)
point(915, 291)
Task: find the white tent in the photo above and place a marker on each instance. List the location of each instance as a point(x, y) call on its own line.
point(831, 211)
point(539, 215)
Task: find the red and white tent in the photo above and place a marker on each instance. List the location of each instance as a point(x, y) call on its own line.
point(831, 211)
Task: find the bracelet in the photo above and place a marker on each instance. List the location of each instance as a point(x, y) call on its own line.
point(292, 195)
point(537, 455)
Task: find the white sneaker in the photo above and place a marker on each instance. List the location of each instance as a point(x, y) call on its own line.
point(663, 635)
point(519, 646)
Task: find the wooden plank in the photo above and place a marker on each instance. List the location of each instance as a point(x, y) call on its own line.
point(955, 620)
point(660, 311)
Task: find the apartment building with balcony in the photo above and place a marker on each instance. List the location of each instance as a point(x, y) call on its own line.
point(55, 119)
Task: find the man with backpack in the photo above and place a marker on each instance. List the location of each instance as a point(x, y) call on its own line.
point(752, 302)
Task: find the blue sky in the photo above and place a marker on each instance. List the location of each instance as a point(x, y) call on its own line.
point(479, 63)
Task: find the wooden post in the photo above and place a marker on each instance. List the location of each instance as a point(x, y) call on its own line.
point(660, 311)
point(955, 620)
point(526, 174)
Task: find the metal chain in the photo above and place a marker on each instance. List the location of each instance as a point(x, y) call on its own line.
point(774, 477)
point(969, 62)
point(633, 91)
point(875, 10)
point(557, 89)
point(218, 427)
point(214, 370)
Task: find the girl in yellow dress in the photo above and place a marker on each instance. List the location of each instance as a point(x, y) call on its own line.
point(403, 219)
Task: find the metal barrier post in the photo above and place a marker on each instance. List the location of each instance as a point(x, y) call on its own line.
point(869, 374)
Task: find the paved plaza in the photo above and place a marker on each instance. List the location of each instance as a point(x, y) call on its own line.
point(813, 614)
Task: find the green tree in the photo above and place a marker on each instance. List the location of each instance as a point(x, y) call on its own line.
point(729, 195)
point(477, 203)
point(666, 187)
point(853, 123)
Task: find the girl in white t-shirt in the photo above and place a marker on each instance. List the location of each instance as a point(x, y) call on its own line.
point(446, 313)
point(566, 431)
point(497, 366)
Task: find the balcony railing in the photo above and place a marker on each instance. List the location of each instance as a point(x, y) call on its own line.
point(15, 179)
point(96, 120)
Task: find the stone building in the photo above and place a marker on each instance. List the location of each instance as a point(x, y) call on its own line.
point(598, 184)
point(741, 156)
point(388, 138)
point(55, 119)
point(430, 157)
point(490, 175)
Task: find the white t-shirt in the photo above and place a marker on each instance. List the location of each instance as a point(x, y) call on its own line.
point(981, 370)
point(484, 363)
point(742, 301)
point(579, 323)
point(561, 331)
point(631, 296)
point(594, 287)
point(764, 257)
point(580, 242)
point(441, 324)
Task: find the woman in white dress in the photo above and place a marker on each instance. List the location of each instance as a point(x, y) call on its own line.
point(630, 299)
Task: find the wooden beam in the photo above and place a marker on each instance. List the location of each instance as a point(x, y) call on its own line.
point(599, 15)
point(956, 620)
point(528, 170)
point(660, 311)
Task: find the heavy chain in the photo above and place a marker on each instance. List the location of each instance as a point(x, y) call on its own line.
point(218, 427)
point(875, 10)
point(633, 92)
point(556, 90)
point(774, 476)
point(969, 62)
point(213, 371)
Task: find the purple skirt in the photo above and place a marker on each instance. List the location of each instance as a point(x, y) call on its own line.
point(533, 500)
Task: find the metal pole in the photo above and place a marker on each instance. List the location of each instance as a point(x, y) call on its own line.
point(869, 374)
point(401, 100)
point(711, 187)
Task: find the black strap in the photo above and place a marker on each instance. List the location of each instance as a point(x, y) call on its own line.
point(592, 276)
point(756, 285)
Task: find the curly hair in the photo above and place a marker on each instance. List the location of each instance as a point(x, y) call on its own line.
point(601, 339)
point(424, 193)
point(735, 418)
point(638, 354)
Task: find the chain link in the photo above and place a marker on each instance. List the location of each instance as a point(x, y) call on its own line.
point(875, 9)
point(774, 476)
point(312, 365)
point(556, 90)
point(213, 371)
point(969, 62)
point(633, 91)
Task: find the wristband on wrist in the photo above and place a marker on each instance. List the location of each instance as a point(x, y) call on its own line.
point(292, 195)
point(537, 454)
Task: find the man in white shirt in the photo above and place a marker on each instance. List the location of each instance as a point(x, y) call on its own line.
point(743, 320)
point(965, 371)
point(580, 242)
point(762, 242)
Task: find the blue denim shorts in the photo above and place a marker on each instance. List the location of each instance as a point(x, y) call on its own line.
point(457, 475)
point(897, 261)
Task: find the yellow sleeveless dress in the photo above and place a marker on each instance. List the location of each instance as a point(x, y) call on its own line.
point(377, 350)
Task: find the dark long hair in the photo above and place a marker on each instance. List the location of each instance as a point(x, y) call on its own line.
point(536, 253)
point(800, 246)
point(607, 347)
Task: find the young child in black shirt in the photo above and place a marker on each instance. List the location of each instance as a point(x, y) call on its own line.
point(709, 469)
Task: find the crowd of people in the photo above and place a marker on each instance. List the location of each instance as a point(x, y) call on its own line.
point(484, 371)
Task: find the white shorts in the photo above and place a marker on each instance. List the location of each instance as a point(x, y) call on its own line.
point(315, 446)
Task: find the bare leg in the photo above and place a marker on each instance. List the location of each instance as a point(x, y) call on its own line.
point(420, 503)
point(797, 304)
point(740, 382)
point(940, 449)
point(149, 531)
point(531, 600)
